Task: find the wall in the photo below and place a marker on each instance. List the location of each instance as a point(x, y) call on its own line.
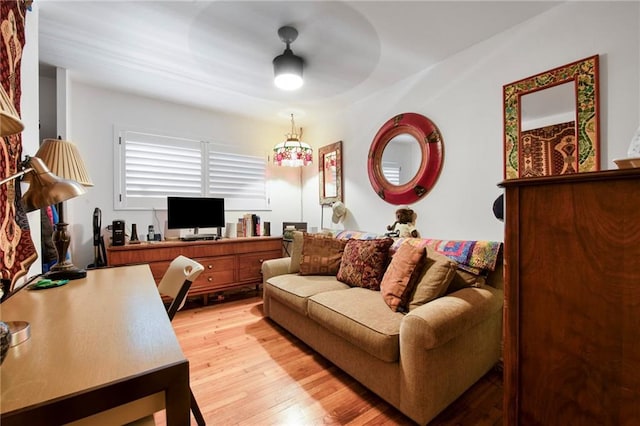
point(93, 114)
point(29, 111)
point(463, 96)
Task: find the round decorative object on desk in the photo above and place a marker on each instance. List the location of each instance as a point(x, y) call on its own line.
point(5, 340)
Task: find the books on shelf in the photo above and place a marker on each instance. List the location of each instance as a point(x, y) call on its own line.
point(248, 226)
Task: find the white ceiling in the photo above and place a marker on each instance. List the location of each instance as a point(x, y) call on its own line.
point(218, 54)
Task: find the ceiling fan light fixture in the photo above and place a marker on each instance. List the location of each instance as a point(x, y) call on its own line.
point(287, 67)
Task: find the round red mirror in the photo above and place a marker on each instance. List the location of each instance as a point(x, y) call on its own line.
point(405, 158)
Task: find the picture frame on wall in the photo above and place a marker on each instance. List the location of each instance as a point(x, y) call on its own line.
point(330, 173)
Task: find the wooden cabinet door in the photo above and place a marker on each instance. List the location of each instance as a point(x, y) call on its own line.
point(572, 300)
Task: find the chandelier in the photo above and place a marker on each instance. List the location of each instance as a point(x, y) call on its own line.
point(293, 152)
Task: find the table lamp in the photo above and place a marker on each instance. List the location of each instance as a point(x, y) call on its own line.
point(63, 159)
point(44, 190)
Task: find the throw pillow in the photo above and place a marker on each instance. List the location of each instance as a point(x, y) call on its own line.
point(364, 262)
point(401, 276)
point(463, 279)
point(321, 255)
point(434, 280)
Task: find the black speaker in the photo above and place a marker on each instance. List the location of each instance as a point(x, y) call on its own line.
point(118, 232)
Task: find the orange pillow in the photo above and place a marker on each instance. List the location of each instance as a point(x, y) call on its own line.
point(321, 255)
point(402, 276)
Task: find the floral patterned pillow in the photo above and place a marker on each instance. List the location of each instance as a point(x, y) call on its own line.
point(364, 262)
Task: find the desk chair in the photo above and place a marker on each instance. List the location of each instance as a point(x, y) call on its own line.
point(175, 283)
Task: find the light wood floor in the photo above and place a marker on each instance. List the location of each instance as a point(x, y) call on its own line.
point(246, 370)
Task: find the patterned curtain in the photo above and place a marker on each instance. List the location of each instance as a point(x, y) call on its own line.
point(17, 251)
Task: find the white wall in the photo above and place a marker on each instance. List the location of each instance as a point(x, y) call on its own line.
point(93, 114)
point(29, 112)
point(463, 96)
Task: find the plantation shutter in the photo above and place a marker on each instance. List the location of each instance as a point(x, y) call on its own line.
point(391, 172)
point(151, 167)
point(239, 179)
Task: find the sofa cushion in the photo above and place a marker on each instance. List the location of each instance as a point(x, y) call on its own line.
point(361, 317)
point(463, 279)
point(364, 262)
point(293, 289)
point(401, 276)
point(296, 252)
point(321, 255)
point(434, 280)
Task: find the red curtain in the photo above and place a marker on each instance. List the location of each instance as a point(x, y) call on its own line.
point(17, 250)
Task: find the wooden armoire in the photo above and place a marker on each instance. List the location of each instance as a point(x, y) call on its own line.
point(572, 299)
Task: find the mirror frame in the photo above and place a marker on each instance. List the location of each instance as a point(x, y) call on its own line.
point(322, 151)
point(585, 75)
point(432, 152)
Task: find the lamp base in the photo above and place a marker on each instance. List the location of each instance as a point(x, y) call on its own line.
point(71, 273)
point(63, 269)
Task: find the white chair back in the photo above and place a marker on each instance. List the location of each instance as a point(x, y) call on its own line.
point(182, 270)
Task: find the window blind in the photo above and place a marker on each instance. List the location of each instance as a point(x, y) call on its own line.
point(391, 172)
point(151, 167)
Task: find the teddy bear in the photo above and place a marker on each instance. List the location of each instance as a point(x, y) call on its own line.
point(404, 226)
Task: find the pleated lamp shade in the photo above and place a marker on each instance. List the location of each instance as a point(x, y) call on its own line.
point(46, 188)
point(64, 160)
point(10, 123)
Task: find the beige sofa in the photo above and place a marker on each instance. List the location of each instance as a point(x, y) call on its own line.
point(419, 361)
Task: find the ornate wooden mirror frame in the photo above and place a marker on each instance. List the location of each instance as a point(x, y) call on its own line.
point(428, 138)
point(549, 151)
point(330, 173)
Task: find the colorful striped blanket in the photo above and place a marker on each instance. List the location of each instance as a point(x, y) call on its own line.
point(472, 256)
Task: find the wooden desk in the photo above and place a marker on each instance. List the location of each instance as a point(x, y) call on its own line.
point(96, 343)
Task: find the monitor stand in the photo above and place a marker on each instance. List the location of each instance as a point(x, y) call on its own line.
point(196, 236)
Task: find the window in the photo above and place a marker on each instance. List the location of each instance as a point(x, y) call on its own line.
point(391, 171)
point(151, 167)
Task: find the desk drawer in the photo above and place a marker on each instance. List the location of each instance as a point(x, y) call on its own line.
point(250, 265)
point(218, 271)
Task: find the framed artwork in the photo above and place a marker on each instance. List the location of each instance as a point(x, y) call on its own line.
point(551, 122)
point(330, 173)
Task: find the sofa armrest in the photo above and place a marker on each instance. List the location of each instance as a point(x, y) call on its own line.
point(437, 322)
point(275, 267)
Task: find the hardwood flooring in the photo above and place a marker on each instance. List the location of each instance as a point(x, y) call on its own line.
point(246, 370)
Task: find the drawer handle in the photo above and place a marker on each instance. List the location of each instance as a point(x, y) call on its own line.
point(261, 260)
point(210, 266)
point(210, 279)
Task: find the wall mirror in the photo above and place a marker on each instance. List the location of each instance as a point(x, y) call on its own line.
point(405, 158)
point(330, 173)
point(551, 122)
